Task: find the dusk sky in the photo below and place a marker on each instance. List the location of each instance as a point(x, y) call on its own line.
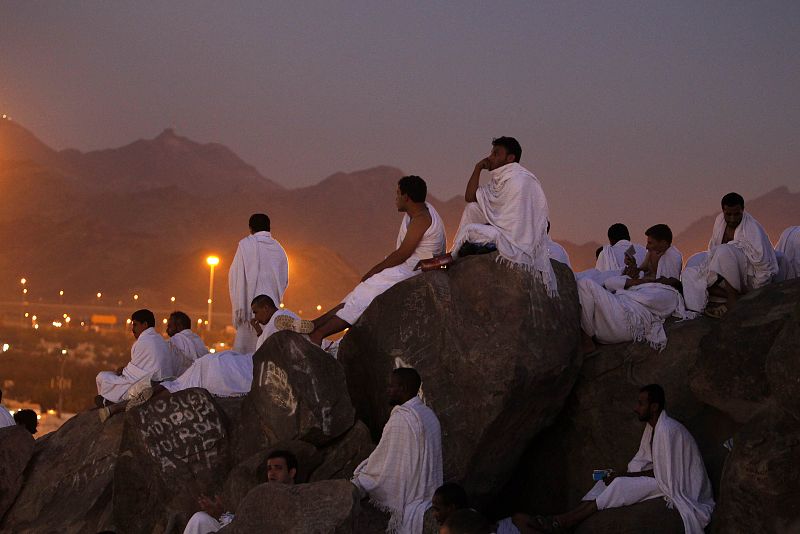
point(643, 112)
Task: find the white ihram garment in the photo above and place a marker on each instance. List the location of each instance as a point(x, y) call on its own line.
point(224, 374)
point(788, 250)
point(558, 253)
point(6, 419)
point(260, 267)
point(404, 470)
point(432, 244)
point(511, 212)
point(186, 347)
point(151, 358)
point(202, 523)
point(746, 262)
point(612, 257)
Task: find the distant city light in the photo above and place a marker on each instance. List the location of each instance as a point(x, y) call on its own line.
point(222, 344)
point(27, 314)
point(127, 321)
point(64, 316)
point(172, 299)
point(282, 305)
point(33, 318)
point(319, 307)
point(136, 297)
point(164, 320)
point(25, 291)
point(61, 293)
point(199, 321)
point(99, 294)
point(6, 346)
point(57, 324)
point(23, 281)
point(209, 301)
point(212, 351)
point(212, 260)
point(51, 412)
point(68, 319)
point(63, 351)
point(36, 326)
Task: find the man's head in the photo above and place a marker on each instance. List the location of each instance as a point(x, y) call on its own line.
point(403, 385)
point(466, 521)
point(263, 308)
point(259, 222)
point(281, 467)
point(659, 238)
point(447, 499)
point(618, 232)
point(732, 209)
point(28, 419)
point(410, 189)
point(178, 322)
point(505, 150)
point(141, 320)
point(650, 403)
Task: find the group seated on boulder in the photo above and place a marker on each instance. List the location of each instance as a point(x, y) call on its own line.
point(421, 237)
point(668, 465)
point(403, 472)
point(281, 468)
point(740, 258)
point(633, 305)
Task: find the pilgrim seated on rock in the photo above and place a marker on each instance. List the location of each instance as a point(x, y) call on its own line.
point(667, 466)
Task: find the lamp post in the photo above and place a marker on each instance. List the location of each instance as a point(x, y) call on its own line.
point(212, 262)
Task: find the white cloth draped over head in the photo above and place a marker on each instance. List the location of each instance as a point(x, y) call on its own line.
point(224, 374)
point(431, 244)
point(558, 253)
point(186, 347)
point(511, 212)
point(151, 358)
point(746, 262)
point(788, 248)
point(260, 267)
point(612, 257)
point(635, 314)
point(404, 470)
point(680, 476)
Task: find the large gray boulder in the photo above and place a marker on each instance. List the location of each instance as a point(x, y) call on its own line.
point(298, 393)
point(173, 450)
point(327, 507)
point(652, 517)
point(343, 455)
point(16, 448)
point(67, 485)
point(497, 356)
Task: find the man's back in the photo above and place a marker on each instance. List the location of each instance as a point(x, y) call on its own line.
point(150, 354)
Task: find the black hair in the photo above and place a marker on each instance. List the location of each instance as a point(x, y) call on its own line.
point(410, 379)
point(511, 145)
point(28, 419)
point(144, 316)
point(655, 394)
point(413, 186)
point(732, 199)
point(262, 300)
point(259, 222)
point(661, 232)
point(291, 459)
point(618, 232)
point(453, 494)
point(467, 521)
point(181, 319)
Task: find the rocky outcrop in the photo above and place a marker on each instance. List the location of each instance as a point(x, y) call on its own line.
point(16, 448)
point(327, 507)
point(68, 481)
point(652, 517)
point(497, 357)
point(343, 456)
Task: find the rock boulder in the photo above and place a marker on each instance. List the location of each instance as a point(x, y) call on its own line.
point(651, 516)
point(16, 448)
point(497, 358)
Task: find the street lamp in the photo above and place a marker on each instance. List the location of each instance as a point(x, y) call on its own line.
point(212, 262)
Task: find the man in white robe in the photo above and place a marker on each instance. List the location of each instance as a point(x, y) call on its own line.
point(509, 213)
point(557, 252)
point(612, 257)
point(740, 258)
point(151, 359)
point(260, 267)
point(185, 344)
point(6, 419)
point(787, 251)
point(668, 465)
point(634, 306)
point(421, 237)
point(403, 472)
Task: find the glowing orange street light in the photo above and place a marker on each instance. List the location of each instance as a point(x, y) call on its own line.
point(212, 262)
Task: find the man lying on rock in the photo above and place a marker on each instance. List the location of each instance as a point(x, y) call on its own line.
point(281, 469)
point(668, 465)
point(404, 470)
point(509, 214)
point(740, 258)
point(223, 374)
point(634, 305)
point(421, 236)
point(151, 359)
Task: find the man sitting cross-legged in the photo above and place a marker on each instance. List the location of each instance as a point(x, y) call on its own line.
point(281, 469)
point(668, 465)
point(224, 374)
point(404, 470)
point(633, 308)
point(421, 236)
point(740, 258)
point(185, 344)
point(151, 359)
